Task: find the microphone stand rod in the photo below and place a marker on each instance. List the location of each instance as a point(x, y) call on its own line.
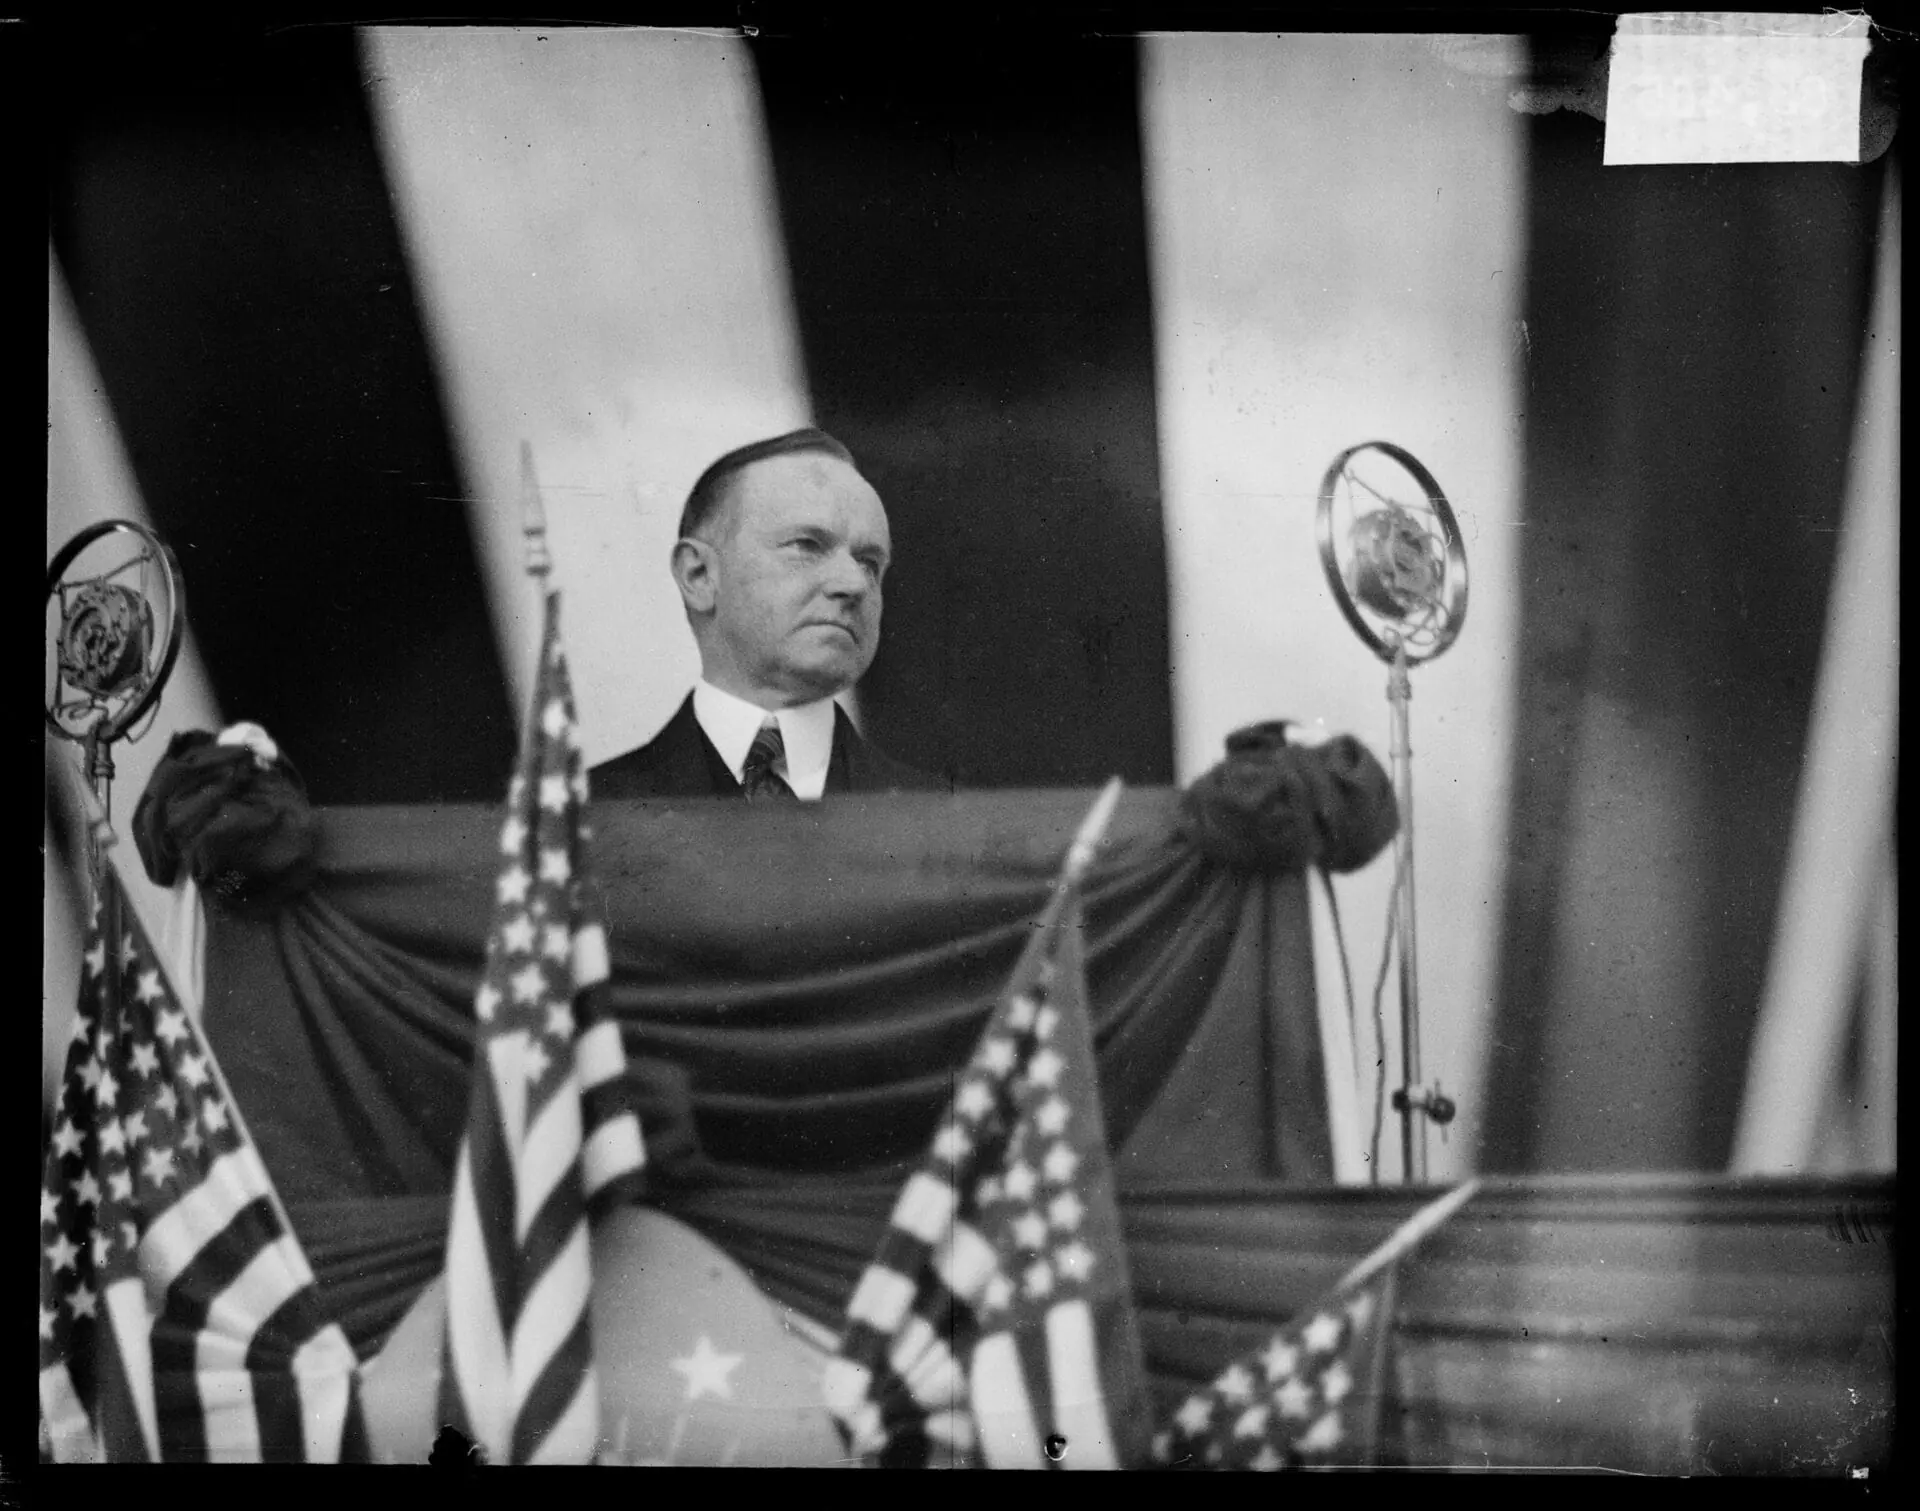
point(1410, 1102)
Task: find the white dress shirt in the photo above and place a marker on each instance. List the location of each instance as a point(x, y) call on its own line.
point(807, 732)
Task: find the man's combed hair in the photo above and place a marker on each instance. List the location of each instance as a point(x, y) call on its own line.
point(710, 492)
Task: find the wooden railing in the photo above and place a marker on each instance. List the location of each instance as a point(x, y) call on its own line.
point(1658, 1324)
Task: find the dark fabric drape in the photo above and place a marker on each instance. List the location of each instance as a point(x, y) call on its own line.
point(1694, 344)
point(794, 987)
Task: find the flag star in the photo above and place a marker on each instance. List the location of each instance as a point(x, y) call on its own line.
point(1046, 1067)
point(190, 1140)
point(66, 1138)
point(997, 1055)
point(1266, 1460)
point(989, 1190)
point(1293, 1398)
point(149, 988)
point(46, 1325)
point(1060, 1164)
point(1074, 1261)
point(129, 1237)
point(82, 1026)
point(61, 1251)
point(97, 959)
point(516, 790)
point(1020, 1012)
point(1039, 1278)
point(172, 1025)
point(486, 1001)
point(517, 935)
point(82, 1301)
point(86, 1190)
point(560, 1021)
point(136, 1126)
point(1252, 1422)
point(512, 885)
point(120, 1183)
point(214, 1114)
point(528, 982)
point(166, 1099)
point(554, 866)
point(145, 1059)
point(1065, 1211)
point(1280, 1359)
point(193, 1070)
point(553, 793)
point(1045, 1022)
point(50, 1206)
point(113, 1137)
point(90, 1073)
point(1236, 1384)
point(553, 718)
point(1052, 1116)
point(537, 909)
point(102, 1245)
point(513, 834)
point(553, 941)
point(534, 1060)
point(1323, 1435)
point(997, 1294)
point(1194, 1416)
point(974, 1101)
point(1030, 1230)
point(1321, 1334)
point(158, 1165)
point(1336, 1383)
point(1360, 1309)
point(578, 785)
point(1020, 1181)
point(706, 1371)
point(951, 1143)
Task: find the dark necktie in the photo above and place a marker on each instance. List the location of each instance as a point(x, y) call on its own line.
point(758, 778)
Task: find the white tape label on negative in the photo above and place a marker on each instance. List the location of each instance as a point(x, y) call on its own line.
point(1733, 87)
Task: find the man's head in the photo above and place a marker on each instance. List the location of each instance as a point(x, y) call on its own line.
point(781, 552)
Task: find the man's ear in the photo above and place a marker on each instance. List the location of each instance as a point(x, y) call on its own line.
point(693, 574)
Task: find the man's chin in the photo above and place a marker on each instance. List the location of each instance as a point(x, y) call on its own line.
point(825, 679)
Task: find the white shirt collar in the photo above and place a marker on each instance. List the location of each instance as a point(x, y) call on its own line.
point(807, 732)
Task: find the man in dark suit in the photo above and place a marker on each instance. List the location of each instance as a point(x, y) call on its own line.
point(782, 549)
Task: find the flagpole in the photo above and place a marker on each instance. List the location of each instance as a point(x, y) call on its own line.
point(1080, 855)
point(1415, 1230)
point(102, 836)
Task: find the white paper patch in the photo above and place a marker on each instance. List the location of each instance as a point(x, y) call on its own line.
point(1735, 87)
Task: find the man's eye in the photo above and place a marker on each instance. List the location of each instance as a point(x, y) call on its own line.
point(803, 543)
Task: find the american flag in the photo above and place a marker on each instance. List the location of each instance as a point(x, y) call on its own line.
point(1309, 1398)
point(995, 1324)
point(179, 1320)
point(552, 1132)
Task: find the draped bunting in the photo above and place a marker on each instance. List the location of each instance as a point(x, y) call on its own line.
point(795, 988)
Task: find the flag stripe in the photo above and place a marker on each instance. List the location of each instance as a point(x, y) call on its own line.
point(127, 1380)
point(1002, 1410)
point(66, 1418)
point(479, 1398)
point(556, 1300)
point(557, 1422)
point(548, 1178)
point(233, 1183)
point(1079, 1412)
point(326, 1372)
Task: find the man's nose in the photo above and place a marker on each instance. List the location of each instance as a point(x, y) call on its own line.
point(846, 578)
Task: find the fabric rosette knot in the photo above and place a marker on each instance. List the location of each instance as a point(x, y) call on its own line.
point(1275, 806)
point(231, 812)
